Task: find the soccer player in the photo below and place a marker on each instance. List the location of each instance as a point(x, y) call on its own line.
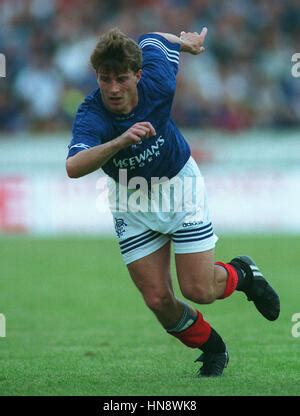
point(126, 125)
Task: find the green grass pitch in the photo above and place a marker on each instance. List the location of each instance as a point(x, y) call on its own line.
point(76, 325)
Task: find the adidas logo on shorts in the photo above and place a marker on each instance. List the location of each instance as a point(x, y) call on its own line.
point(190, 224)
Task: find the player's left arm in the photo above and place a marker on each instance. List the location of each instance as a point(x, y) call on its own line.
point(191, 42)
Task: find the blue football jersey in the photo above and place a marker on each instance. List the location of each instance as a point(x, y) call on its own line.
point(167, 152)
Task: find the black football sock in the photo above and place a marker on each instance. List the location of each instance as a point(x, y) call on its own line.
point(214, 344)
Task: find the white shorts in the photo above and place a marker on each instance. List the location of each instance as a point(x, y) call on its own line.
point(184, 220)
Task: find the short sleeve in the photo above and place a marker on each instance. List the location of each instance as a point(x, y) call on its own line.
point(88, 130)
point(160, 60)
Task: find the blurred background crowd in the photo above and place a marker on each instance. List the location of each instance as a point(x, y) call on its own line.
point(242, 81)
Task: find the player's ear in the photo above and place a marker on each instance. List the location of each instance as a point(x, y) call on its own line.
point(138, 75)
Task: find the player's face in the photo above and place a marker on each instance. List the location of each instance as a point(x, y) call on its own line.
point(119, 91)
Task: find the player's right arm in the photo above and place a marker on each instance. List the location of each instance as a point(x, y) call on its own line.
point(89, 160)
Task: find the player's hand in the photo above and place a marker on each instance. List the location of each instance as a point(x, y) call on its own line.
point(136, 133)
point(192, 42)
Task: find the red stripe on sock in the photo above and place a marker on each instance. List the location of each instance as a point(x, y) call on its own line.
point(195, 335)
point(232, 280)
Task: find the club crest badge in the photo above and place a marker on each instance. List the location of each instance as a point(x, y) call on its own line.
point(120, 225)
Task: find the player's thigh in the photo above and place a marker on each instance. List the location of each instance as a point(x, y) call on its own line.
point(151, 274)
point(195, 273)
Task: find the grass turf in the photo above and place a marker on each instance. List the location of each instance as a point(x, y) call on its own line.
point(76, 325)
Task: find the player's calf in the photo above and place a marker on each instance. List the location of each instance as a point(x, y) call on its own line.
point(200, 293)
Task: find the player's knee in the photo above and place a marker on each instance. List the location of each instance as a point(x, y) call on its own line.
point(158, 302)
point(200, 294)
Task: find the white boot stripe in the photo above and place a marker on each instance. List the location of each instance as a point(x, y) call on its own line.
point(253, 267)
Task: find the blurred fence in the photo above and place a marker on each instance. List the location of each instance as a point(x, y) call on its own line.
point(253, 182)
